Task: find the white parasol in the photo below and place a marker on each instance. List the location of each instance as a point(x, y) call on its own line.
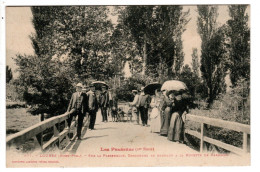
point(174, 85)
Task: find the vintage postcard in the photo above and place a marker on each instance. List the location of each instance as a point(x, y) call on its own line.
point(128, 85)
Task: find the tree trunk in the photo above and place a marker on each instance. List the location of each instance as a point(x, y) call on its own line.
point(144, 55)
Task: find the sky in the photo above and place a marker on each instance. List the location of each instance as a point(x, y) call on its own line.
point(19, 27)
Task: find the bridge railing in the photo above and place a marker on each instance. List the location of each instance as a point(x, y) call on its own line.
point(245, 129)
point(36, 132)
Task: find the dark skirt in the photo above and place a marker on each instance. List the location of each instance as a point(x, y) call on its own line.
point(176, 128)
point(165, 119)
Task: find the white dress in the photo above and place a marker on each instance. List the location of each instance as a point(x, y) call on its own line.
point(155, 115)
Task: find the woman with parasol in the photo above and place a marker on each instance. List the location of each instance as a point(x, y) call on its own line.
point(169, 88)
point(179, 95)
point(155, 117)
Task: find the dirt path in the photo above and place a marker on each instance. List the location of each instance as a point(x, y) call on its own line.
point(111, 140)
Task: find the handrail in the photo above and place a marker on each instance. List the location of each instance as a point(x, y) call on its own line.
point(36, 132)
point(245, 129)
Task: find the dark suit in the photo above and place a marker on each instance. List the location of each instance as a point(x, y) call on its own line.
point(92, 108)
point(79, 104)
point(143, 104)
point(104, 101)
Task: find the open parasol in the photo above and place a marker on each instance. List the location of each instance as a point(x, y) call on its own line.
point(150, 88)
point(174, 85)
point(98, 85)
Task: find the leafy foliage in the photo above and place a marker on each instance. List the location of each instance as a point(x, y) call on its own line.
point(71, 44)
point(231, 106)
point(239, 34)
point(157, 31)
point(195, 62)
point(213, 51)
point(46, 86)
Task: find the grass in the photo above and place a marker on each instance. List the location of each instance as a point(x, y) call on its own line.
point(18, 119)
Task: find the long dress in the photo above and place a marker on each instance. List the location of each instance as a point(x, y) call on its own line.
point(176, 128)
point(166, 115)
point(155, 115)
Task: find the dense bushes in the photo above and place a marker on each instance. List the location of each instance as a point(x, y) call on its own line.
point(232, 106)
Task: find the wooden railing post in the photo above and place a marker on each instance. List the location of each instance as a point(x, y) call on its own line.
point(202, 134)
point(245, 142)
point(56, 133)
point(39, 140)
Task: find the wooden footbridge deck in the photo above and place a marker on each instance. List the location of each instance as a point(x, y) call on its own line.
point(121, 144)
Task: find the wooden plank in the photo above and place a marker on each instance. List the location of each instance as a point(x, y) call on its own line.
point(63, 134)
point(225, 146)
point(63, 118)
point(216, 142)
point(24, 135)
point(219, 123)
point(193, 133)
point(50, 142)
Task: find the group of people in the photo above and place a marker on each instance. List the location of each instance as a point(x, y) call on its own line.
point(85, 103)
point(167, 112)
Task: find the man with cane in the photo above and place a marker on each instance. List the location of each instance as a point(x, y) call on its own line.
point(77, 107)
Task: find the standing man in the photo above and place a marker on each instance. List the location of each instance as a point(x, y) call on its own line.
point(110, 101)
point(143, 104)
point(104, 101)
point(135, 109)
point(84, 91)
point(92, 106)
point(78, 105)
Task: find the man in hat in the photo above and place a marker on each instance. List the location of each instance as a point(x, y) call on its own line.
point(92, 106)
point(143, 104)
point(104, 101)
point(84, 91)
point(110, 102)
point(78, 106)
point(135, 109)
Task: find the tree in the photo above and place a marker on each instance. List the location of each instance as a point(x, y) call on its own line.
point(186, 76)
point(213, 51)
point(195, 69)
point(195, 61)
point(71, 44)
point(138, 20)
point(9, 74)
point(239, 34)
point(157, 31)
point(82, 35)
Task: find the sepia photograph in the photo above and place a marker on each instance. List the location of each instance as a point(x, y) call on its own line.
point(128, 85)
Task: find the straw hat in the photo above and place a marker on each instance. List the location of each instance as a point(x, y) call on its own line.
point(79, 85)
